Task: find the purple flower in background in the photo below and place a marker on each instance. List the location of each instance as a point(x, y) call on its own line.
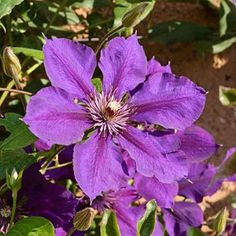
point(120, 203)
point(183, 216)
point(60, 114)
point(196, 184)
point(42, 198)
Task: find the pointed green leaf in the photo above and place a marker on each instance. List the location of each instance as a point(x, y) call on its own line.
point(20, 136)
point(30, 52)
point(6, 6)
point(10, 159)
point(227, 17)
point(32, 226)
point(147, 224)
point(109, 224)
point(179, 32)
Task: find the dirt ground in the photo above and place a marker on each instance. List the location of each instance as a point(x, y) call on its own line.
point(209, 71)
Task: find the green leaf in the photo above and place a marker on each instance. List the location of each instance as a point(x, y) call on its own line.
point(227, 17)
point(30, 52)
point(10, 159)
point(20, 135)
point(109, 224)
point(216, 47)
point(179, 32)
point(227, 96)
point(147, 224)
point(195, 232)
point(6, 6)
point(97, 82)
point(32, 226)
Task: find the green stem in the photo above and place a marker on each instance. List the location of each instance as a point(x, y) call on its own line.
point(59, 166)
point(13, 211)
point(6, 92)
point(107, 36)
point(18, 86)
point(50, 159)
point(32, 68)
point(16, 91)
point(3, 188)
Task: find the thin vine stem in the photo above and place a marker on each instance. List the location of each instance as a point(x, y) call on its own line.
point(106, 37)
point(13, 211)
point(16, 91)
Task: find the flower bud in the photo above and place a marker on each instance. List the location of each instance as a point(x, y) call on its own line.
point(14, 180)
point(137, 14)
point(83, 219)
point(10, 63)
point(220, 221)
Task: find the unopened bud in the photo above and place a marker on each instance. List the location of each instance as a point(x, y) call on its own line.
point(10, 63)
point(83, 219)
point(221, 221)
point(14, 180)
point(137, 14)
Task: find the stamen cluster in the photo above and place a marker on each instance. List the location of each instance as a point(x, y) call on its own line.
point(108, 114)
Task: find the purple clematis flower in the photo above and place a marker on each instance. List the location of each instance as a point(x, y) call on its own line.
point(60, 114)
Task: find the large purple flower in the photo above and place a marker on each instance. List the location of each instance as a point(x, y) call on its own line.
point(60, 114)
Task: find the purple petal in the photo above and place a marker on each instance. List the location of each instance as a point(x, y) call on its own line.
point(41, 145)
point(46, 199)
point(184, 216)
point(127, 215)
point(151, 188)
point(229, 154)
point(61, 232)
point(69, 65)
point(197, 143)
point(53, 117)
point(154, 67)
point(129, 165)
point(171, 101)
point(123, 64)
point(144, 149)
point(97, 166)
point(158, 230)
point(197, 184)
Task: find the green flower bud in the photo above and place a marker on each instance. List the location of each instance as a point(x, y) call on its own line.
point(137, 14)
point(220, 221)
point(83, 219)
point(10, 63)
point(14, 180)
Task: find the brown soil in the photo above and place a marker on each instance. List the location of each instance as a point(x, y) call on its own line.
point(209, 71)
